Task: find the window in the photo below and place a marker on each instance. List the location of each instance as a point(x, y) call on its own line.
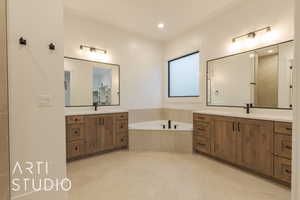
point(184, 76)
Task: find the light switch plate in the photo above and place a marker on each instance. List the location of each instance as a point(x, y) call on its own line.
point(45, 100)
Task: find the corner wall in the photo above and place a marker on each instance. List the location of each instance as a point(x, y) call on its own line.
point(36, 96)
point(296, 138)
point(4, 142)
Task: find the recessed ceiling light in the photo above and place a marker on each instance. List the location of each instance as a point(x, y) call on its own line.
point(271, 51)
point(160, 25)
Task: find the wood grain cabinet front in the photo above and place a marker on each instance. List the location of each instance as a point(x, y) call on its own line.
point(224, 138)
point(76, 149)
point(75, 132)
point(264, 147)
point(91, 134)
point(283, 169)
point(255, 145)
point(283, 145)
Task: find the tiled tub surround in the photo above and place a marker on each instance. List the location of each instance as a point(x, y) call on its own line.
point(152, 136)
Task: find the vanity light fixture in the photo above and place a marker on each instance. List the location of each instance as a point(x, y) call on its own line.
point(160, 26)
point(93, 49)
point(252, 34)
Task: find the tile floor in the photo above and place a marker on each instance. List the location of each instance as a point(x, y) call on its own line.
point(127, 175)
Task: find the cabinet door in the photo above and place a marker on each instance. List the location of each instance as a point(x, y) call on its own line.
point(224, 138)
point(255, 145)
point(108, 132)
point(91, 123)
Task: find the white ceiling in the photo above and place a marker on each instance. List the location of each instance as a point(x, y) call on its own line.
point(142, 16)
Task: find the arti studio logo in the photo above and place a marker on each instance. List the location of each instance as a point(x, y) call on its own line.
point(34, 176)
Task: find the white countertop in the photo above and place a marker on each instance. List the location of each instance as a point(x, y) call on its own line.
point(260, 116)
point(91, 111)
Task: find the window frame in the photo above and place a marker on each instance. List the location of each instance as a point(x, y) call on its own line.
point(190, 54)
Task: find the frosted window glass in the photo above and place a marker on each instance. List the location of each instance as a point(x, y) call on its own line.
point(184, 76)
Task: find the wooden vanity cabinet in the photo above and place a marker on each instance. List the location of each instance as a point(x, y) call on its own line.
point(91, 134)
point(283, 151)
point(255, 145)
point(258, 145)
point(224, 138)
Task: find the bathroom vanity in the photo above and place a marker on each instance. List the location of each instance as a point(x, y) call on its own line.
point(258, 143)
point(89, 134)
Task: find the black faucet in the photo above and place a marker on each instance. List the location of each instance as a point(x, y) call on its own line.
point(169, 124)
point(248, 106)
point(95, 104)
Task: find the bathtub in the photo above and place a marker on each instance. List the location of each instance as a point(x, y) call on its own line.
point(152, 136)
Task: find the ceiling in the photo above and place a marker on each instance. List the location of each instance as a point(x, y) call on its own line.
point(142, 16)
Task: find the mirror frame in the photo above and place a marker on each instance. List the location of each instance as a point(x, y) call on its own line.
point(91, 61)
point(210, 60)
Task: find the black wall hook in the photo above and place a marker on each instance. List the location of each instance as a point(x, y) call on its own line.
point(52, 46)
point(22, 41)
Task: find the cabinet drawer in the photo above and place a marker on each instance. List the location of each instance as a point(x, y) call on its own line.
point(202, 129)
point(283, 169)
point(75, 119)
point(201, 144)
point(76, 148)
point(199, 117)
point(122, 116)
point(283, 145)
point(122, 125)
point(122, 140)
point(283, 128)
point(75, 132)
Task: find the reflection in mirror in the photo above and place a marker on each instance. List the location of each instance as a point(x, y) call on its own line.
point(88, 82)
point(262, 77)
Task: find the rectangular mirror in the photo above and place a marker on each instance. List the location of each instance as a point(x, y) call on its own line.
point(262, 77)
point(89, 82)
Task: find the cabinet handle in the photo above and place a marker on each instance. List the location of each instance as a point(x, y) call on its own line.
point(201, 129)
point(233, 126)
point(288, 171)
point(289, 129)
point(288, 147)
point(239, 128)
point(201, 144)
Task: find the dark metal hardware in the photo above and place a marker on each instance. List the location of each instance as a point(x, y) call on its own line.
point(288, 171)
point(288, 147)
point(201, 144)
point(95, 104)
point(252, 83)
point(52, 46)
point(164, 126)
point(248, 106)
point(233, 127)
point(22, 41)
point(289, 129)
point(175, 126)
point(239, 128)
point(169, 124)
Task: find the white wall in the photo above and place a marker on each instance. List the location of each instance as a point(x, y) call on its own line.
point(213, 38)
point(296, 138)
point(37, 133)
point(140, 59)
